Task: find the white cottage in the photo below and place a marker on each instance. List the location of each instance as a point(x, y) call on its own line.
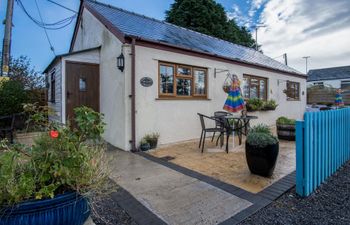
point(168, 74)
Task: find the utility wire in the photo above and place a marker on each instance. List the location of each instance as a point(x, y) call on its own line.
point(63, 6)
point(50, 26)
point(47, 36)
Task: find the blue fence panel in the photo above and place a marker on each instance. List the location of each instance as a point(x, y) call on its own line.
point(322, 146)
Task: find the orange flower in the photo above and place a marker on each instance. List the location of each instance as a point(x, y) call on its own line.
point(54, 134)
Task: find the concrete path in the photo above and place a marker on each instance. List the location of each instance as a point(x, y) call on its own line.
point(173, 196)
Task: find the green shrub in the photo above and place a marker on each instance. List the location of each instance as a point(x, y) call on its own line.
point(151, 137)
point(261, 140)
point(254, 104)
point(269, 105)
point(261, 136)
point(260, 128)
point(285, 121)
point(64, 159)
point(12, 96)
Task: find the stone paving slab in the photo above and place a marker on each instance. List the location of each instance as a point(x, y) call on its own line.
point(172, 196)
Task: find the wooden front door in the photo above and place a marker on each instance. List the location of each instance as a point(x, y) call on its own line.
point(82, 87)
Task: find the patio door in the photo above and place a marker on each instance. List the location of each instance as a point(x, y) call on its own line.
point(82, 87)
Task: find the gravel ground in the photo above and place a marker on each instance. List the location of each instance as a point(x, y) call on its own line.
point(329, 204)
point(108, 212)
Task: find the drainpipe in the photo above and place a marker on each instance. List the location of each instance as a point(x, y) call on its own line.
point(133, 100)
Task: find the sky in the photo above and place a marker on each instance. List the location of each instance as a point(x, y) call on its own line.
point(319, 29)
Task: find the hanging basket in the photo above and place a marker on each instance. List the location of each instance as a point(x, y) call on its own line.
point(227, 83)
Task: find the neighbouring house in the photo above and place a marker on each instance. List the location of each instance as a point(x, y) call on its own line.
point(147, 75)
point(322, 84)
point(337, 77)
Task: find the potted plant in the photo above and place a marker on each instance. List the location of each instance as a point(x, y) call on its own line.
point(144, 145)
point(261, 150)
point(285, 128)
point(152, 139)
point(254, 104)
point(51, 181)
point(269, 105)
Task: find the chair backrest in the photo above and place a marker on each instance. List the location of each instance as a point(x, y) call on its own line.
point(219, 115)
point(201, 118)
point(7, 121)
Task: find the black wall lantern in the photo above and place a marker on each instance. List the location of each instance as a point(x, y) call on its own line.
point(121, 62)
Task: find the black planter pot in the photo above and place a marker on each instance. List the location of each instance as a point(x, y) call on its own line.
point(286, 132)
point(261, 161)
point(145, 147)
point(69, 209)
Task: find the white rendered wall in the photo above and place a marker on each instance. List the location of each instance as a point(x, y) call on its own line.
point(114, 100)
point(177, 120)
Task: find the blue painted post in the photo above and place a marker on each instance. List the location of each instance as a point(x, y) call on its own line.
point(300, 185)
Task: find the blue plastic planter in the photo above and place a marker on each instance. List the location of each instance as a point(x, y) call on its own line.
point(68, 209)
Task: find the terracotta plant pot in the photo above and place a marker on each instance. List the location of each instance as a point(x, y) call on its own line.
point(261, 161)
point(286, 132)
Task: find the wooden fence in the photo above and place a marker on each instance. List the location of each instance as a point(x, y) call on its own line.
point(324, 95)
point(322, 146)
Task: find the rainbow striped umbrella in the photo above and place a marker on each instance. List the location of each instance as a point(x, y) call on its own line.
point(339, 99)
point(234, 101)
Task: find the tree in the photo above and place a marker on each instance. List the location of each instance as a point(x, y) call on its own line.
point(12, 96)
point(208, 17)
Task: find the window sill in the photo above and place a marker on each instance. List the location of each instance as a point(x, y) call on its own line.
point(293, 100)
point(183, 98)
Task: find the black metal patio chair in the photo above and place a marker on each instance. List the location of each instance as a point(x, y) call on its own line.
point(220, 124)
point(205, 130)
point(7, 127)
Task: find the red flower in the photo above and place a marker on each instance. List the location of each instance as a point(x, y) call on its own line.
point(54, 134)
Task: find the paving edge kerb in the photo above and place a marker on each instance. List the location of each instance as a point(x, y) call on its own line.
point(259, 200)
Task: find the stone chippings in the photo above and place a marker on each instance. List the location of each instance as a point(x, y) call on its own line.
point(329, 204)
point(108, 212)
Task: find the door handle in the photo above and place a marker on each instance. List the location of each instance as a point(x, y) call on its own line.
point(69, 94)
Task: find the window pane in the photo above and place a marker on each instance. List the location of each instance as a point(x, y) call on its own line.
point(166, 79)
point(245, 87)
point(183, 87)
point(293, 90)
point(82, 84)
point(199, 82)
point(262, 89)
point(254, 84)
point(183, 71)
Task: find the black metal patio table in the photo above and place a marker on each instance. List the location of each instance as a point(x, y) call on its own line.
point(241, 126)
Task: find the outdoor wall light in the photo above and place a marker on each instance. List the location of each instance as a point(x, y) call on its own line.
point(121, 62)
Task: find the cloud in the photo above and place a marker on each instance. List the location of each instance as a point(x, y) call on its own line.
point(320, 29)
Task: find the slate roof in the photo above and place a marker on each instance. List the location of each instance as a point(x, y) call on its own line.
point(333, 73)
point(135, 25)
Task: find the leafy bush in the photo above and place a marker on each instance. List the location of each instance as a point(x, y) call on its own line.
point(261, 136)
point(254, 104)
point(269, 105)
point(61, 160)
point(12, 96)
point(285, 121)
point(151, 137)
point(260, 128)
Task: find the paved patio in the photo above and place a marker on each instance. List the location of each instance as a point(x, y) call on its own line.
point(230, 168)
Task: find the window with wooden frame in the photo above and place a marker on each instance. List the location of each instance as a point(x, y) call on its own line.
point(53, 86)
point(254, 87)
point(293, 91)
point(182, 81)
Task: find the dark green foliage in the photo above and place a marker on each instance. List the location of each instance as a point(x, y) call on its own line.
point(285, 121)
point(261, 136)
point(269, 105)
point(254, 104)
point(208, 17)
point(12, 96)
point(70, 161)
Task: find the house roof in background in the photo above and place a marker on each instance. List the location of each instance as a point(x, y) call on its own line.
point(333, 73)
point(130, 24)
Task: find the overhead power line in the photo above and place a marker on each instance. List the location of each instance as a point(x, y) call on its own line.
point(50, 26)
point(47, 36)
point(63, 6)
